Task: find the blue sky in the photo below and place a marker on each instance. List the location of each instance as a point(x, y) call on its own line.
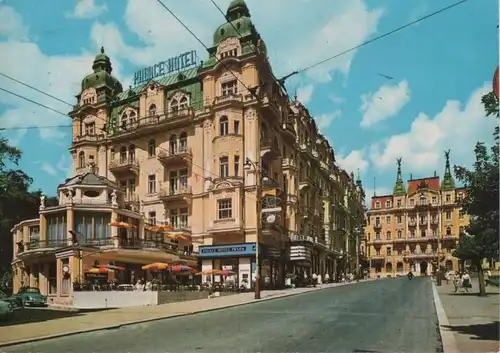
point(440, 69)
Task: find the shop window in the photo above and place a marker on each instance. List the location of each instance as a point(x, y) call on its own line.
point(225, 209)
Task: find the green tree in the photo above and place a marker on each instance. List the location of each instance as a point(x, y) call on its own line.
point(481, 241)
point(17, 203)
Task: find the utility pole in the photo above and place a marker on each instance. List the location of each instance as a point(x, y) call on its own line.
point(249, 165)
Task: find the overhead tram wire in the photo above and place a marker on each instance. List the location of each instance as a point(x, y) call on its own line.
point(139, 137)
point(36, 89)
point(423, 18)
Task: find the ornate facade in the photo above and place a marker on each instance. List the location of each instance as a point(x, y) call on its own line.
point(417, 227)
point(220, 154)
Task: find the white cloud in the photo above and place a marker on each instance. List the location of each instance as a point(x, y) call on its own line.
point(57, 75)
point(62, 167)
point(385, 103)
point(88, 9)
point(48, 168)
point(457, 127)
point(323, 35)
point(304, 93)
point(336, 99)
point(355, 161)
point(340, 26)
point(325, 120)
point(11, 24)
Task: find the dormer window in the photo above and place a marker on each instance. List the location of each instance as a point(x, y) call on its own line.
point(183, 103)
point(174, 105)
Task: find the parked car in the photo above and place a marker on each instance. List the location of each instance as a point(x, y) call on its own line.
point(30, 296)
point(15, 302)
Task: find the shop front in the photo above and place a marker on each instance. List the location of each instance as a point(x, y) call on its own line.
point(238, 260)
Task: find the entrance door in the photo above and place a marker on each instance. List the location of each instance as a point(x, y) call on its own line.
point(423, 268)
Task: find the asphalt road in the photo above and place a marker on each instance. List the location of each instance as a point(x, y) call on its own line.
point(395, 315)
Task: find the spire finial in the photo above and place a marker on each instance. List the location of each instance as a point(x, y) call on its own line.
point(102, 50)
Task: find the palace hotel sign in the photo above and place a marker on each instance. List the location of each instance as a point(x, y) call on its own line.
point(177, 63)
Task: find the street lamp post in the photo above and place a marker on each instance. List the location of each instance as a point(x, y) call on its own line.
point(248, 166)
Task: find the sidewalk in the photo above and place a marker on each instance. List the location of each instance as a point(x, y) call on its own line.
point(473, 320)
point(114, 318)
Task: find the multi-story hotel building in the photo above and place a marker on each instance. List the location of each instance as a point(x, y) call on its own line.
point(217, 154)
point(417, 227)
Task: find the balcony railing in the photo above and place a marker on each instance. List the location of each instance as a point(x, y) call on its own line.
point(181, 154)
point(153, 122)
point(88, 138)
point(42, 244)
point(169, 192)
point(124, 165)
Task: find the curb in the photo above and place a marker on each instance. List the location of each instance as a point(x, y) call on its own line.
point(447, 337)
point(117, 326)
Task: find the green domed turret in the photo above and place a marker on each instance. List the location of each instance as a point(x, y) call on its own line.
point(102, 75)
point(239, 23)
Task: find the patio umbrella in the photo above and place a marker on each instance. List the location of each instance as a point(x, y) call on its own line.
point(121, 225)
point(181, 268)
point(156, 266)
point(225, 273)
point(99, 270)
point(113, 267)
point(208, 272)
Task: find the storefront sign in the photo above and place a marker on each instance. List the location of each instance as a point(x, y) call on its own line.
point(177, 63)
point(215, 251)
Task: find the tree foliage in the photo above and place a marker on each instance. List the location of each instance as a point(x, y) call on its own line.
point(481, 200)
point(17, 203)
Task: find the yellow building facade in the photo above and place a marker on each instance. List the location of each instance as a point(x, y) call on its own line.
point(415, 228)
point(218, 152)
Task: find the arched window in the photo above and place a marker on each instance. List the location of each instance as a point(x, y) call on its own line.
point(223, 125)
point(151, 148)
point(173, 144)
point(152, 110)
point(131, 153)
point(123, 154)
point(124, 121)
point(183, 142)
point(132, 118)
point(174, 105)
point(81, 159)
point(448, 231)
point(183, 104)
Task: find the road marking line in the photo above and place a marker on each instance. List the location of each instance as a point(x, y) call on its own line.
point(447, 337)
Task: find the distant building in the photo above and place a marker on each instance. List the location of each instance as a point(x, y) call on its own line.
point(416, 227)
